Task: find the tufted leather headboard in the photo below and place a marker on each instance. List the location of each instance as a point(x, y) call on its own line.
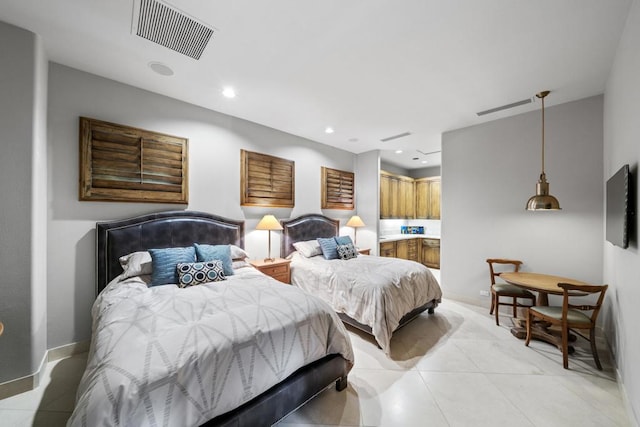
point(306, 227)
point(160, 230)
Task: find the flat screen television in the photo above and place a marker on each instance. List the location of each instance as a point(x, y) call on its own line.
point(619, 208)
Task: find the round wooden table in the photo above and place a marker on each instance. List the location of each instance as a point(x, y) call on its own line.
point(544, 284)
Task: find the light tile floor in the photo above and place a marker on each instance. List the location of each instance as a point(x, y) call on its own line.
point(453, 368)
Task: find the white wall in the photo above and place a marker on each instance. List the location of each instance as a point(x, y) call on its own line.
point(622, 266)
point(23, 194)
point(215, 141)
point(367, 198)
point(488, 173)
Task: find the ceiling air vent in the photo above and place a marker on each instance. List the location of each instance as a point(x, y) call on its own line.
point(390, 138)
point(167, 26)
point(505, 107)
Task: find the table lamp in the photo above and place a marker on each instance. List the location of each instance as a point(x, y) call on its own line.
point(269, 222)
point(355, 222)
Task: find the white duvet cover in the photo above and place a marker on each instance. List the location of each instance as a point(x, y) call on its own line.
point(169, 356)
point(375, 291)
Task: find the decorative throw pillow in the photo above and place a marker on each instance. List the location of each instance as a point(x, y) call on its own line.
point(343, 240)
point(308, 248)
point(213, 252)
point(237, 253)
point(164, 262)
point(347, 251)
point(196, 273)
point(329, 247)
point(136, 264)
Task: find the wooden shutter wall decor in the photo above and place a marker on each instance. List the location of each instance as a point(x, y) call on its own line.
point(266, 180)
point(125, 164)
point(338, 189)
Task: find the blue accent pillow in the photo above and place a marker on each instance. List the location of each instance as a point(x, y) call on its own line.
point(344, 240)
point(206, 253)
point(196, 273)
point(329, 247)
point(165, 261)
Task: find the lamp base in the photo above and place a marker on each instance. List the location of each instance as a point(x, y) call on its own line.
point(269, 259)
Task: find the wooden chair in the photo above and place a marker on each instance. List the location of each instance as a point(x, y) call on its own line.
point(506, 290)
point(571, 317)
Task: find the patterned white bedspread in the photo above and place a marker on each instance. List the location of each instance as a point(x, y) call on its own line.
point(375, 291)
point(170, 356)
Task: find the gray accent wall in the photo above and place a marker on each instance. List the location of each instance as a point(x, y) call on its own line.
point(23, 191)
point(622, 266)
point(489, 171)
point(368, 199)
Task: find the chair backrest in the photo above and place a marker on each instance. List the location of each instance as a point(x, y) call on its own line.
point(568, 288)
point(501, 262)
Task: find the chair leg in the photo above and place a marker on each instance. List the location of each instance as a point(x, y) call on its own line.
point(592, 338)
point(492, 302)
point(514, 304)
point(497, 308)
point(565, 346)
point(529, 321)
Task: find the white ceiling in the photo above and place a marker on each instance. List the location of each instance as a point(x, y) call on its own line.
point(368, 68)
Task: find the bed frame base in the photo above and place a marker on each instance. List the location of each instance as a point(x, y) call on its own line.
point(277, 402)
point(429, 307)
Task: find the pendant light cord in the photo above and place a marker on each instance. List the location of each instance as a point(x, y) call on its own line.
point(542, 135)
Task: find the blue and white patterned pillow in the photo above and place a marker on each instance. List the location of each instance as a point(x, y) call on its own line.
point(196, 273)
point(206, 253)
point(347, 251)
point(329, 247)
point(164, 262)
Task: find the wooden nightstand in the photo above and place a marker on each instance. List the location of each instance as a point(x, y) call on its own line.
point(279, 268)
point(364, 251)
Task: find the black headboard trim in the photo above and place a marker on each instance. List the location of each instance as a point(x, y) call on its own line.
point(159, 230)
point(306, 227)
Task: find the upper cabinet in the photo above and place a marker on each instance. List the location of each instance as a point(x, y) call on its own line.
point(397, 196)
point(428, 198)
point(406, 198)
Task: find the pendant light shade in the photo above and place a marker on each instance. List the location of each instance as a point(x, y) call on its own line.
point(543, 201)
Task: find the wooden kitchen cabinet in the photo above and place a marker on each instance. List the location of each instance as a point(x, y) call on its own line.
point(413, 250)
point(388, 249)
point(397, 196)
point(427, 198)
point(402, 249)
point(431, 252)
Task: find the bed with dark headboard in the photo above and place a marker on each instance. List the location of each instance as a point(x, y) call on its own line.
point(183, 228)
point(312, 226)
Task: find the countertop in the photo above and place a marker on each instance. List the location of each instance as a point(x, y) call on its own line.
point(394, 237)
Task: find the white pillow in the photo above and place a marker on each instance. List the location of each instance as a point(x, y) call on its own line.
point(237, 253)
point(136, 264)
point(308, 248)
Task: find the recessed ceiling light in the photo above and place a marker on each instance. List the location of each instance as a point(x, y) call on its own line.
point(160, 68)
point(328, 130)
point(228, 92)
point(424, 162)
point(398, 151)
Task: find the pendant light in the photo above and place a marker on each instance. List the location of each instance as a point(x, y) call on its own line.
point(543, 201)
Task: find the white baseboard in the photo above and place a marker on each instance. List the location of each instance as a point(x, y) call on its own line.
point(21, 385)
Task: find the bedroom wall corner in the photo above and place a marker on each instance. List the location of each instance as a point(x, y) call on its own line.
point(23, 218)
point(622, 266)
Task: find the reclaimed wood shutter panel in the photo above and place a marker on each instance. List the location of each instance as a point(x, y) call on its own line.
point(266, 180)
point(338, 189)
point(126, 164)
